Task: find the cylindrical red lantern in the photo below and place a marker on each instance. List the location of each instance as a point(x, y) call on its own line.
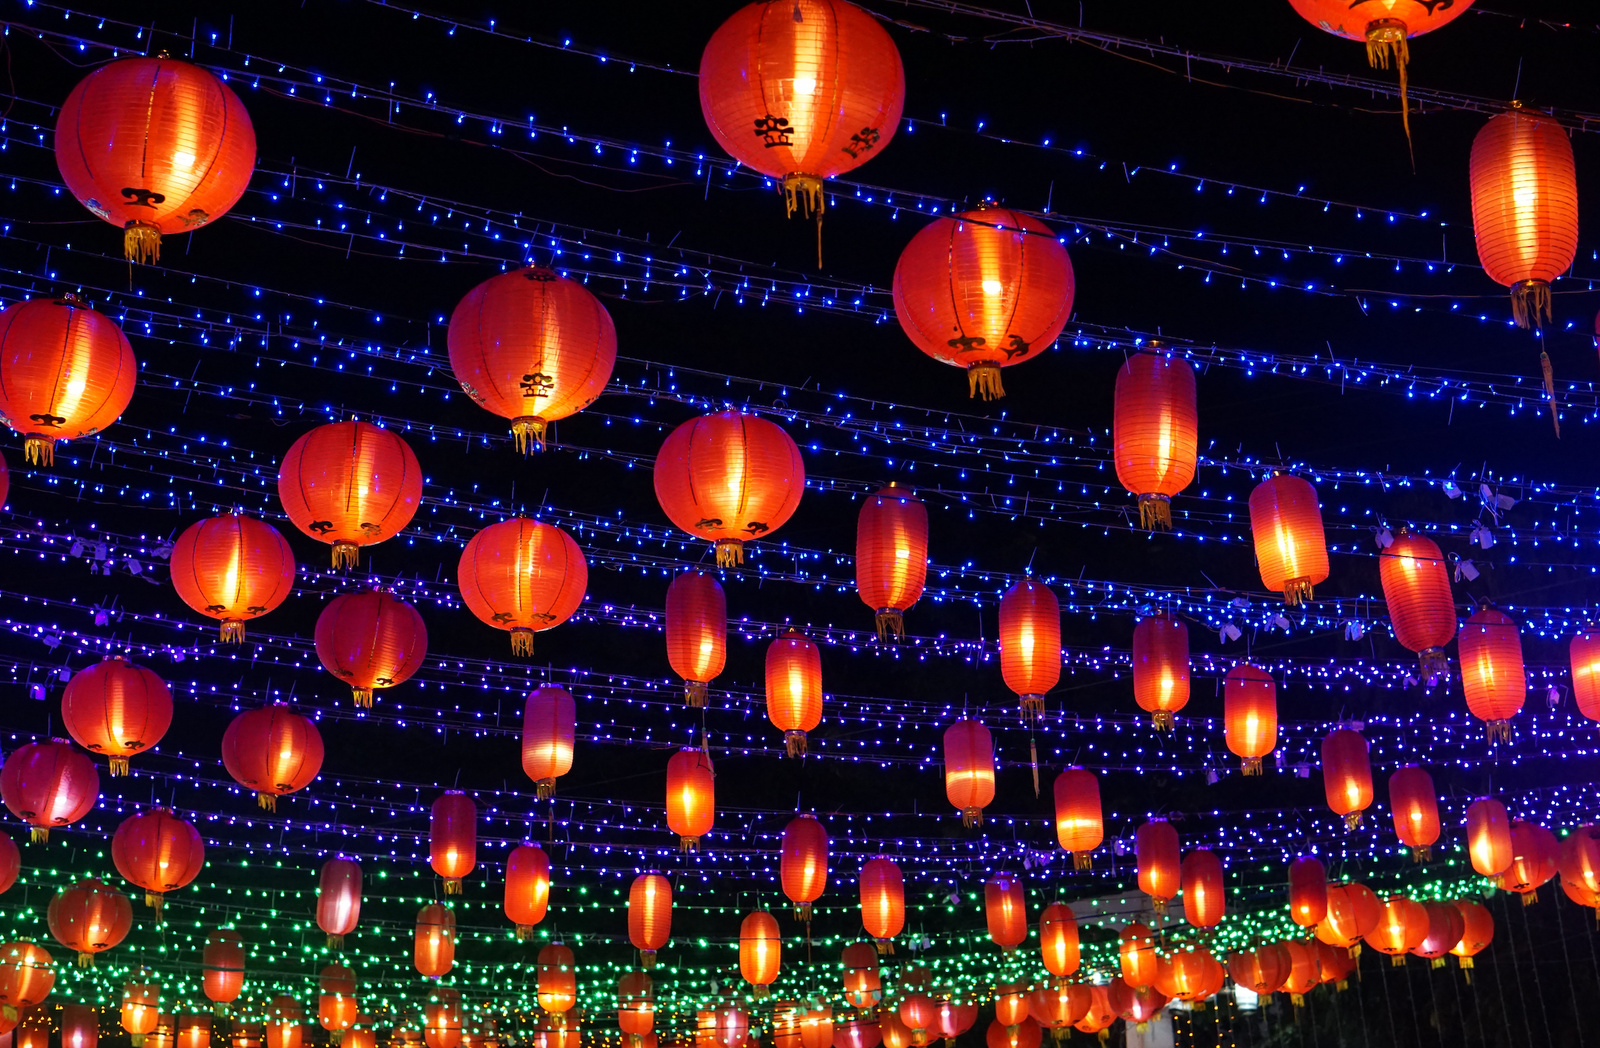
point(1579, 859)
point(558, 979)
point(350, 484)
point(697, 632)
point(1161, 667)
point(1058, 941)
point(223, 961)
point(1160, 872)
point(1135, 1004)
point(549, 728)
point(1478, 932)
point(524, 576)
point(116, 708)
point(89, 917)
point(1491, 670)
point(1585, 671)
point(27, 972)
point(532, 346)
point(10, 862)
point(141, 1006)
point(441, 1019)
point(803, 866)
point(48, 784)
point(649, 915)
point(1030, 643)
point(1261, 970)
point(1308, 891)
point(527, 887)
point(157, 851)
point(636, 1007)
point(1416, 586)
point(816, 1027)
point(969, 769)
point(1445, 929)
point(794, 689)
point(1026, 1034)
point(337, 1006)
point(1402, 925)
point(1353, 911)
point(1080, 826)
point(883, 901)
point(1250, 715)
point(232, 568)
point(760, 950)
point(194, 1031)
point(862, 986)
point(1204, 896)
point(272, 750)
point(66, 371)
point(1010, 1004)
point(1100, 1014)
point(338, 900)
point(1005, 910)
point(1304, 971)
point(80, 1026)
point(1136, 952)
point(1155, 431)
point(891, 555)
point(1415, 807)
point(1346, 774)
point(453, 838)
point(371, 640)
point(691, 797)
point(1535, 854)
point(1291, 549)
point(1488, 837)
point(857, 1033)
point(433, 948)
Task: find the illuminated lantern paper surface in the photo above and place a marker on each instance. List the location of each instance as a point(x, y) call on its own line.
point(157, 851)
point(1491, 670)
point(1585, 670)
point(1579, 858)
point(338, 900)
point(1160, 873)
point(116, 709)
point(862, 986)
point(1415, 807)
point(1136, 954)
point(558, 979)
point(1416, 587)
point(453, 838)
point(1161, 668)
point(549, 729)
point(1250, 715)
point(1308, 891)
point(80, 1026)
point(1058, 941)
point(27, 973)
point(1010, 1004)
point(523, 576)
point(441, 1019)
point(1204, 898)
point(273, 751)
point(1402, 925)
point(697, 632)
point(969, 769)
point(1261, 970)
point(527, 895)
point(350, 484)
point(883, 901)
point(1304, 971)
point(141, 1005)
point(1291, 549)
point(691, 796)
point(794, 689)
point(891, 555)
point(232, 568)
point(1535, 854)
point(66, 371)
point(1155, 432)
point(1079, 823)
point(371, 640)
point(48, 785)
point(649, 915)
point(1446, 926)
point(1346, 774)
point(10, 862)
point(223, 960)
point(1353, 911)
point(89, 917)
point(636, 1009)
point(1135, 1004)
point(1100, 1014)
point(760, 950)
point(803, 865)
point(1488, 837)
point(1005, 910)
point(433, 948)
point(336, 998)
point(1477, 933)
point(1030, 643)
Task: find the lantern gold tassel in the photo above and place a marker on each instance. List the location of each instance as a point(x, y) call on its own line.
point(525, 427)
point(983, 381)
point(1158, 905)
point(346, 554)
point(119, 766)
point(39, 451)
point(1083, 860)
point(39, 835)
point(1550, 391)
point(890, 621)
point(971, 817)
point(85, 959)
point(1161, 720)
point(1352, 819)
point(545, 788)
point(363, 697)
point(452, 886)
point(1386, 38)
point(1297, 591)
point(1397, 960)
point(1155, 511)
point(1498, 730)
point(267, 801)
point(141, 242)
point(804, 193)
point(688, 844)
point(523, 931)
point(1251, 766)
point(885, 947)
point(232, 631)
point(1422, 853)
point(1438, 962)
point(335, 942)
point(522, 642)
point(1529, 898)
point(694, 693)
point(1433, 663)
point(1032, 707)
point(794, 743)
point(730, 552)
point(1530, 302)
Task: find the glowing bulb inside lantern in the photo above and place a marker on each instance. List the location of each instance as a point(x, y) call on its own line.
point(992, 287)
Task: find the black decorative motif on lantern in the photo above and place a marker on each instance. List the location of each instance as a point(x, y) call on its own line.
point(216, 609)
point(537, 384)
point(708, 522)
point(144, 197)
point(774, 130)
point(98, 208)
point(321, 527)
point(195, 219)
point(862, 141)
point(371, 529)
point(48, 421)
point(540, 274)
point(500, 616)
point(1431, 5)
point(257, 609)
point(1018, 348)
point(967, 343)
point(755, 527)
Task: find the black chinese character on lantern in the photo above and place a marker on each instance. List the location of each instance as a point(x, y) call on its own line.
point(537, 384)
point(862, 141)
point(775, 130)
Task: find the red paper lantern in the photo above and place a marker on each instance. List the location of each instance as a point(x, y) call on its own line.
point(1535, 854)
point(858, 1033)
point(433, 946)
point(862, 986)
point(141, 1005)
point(1205, 898)
point(729, 478)
point(338, 900)
point(1346, 774)
point(760, 950)
point(1579, 858)
point(816, 1027)
point(116, 708)
point(441, 1019)
point(1488, 837)
point(1010, 1004)
point(1585, 655)
point(1025, 1034)
point(794, 689)
point(1286, 523)
point(232, 568)
point(803, 866)
point(27, 972)
point(1161, 668)
point(1446, 926)
point(1154, 431)
point(691, 797)
point(523, 576)
point(1058, 941)
point(1304, 971)
point(1353, 911)
point(1160, 873)
point(66, 371)
point(532, 346)
point(1333, 964)
point(90, 918)
point(883, 901)
point(969, 769)
point(1261, 970)
point(1135, 1004)
point(80, 1026)
point(1383, 27)
point(558, 979)
point(1080, 826)
point(453, 838)
point(337, 1007)
point(549, 727)
point(272, 750)
point(891, 555)
point(1005, 910)
point(194, 1031)
point(1477, 933)
point(1402, 925)
point(5, 483)
point(1308, 891)
point(371, 640)
point(1250, 715)
point(10, 862)
point(636, 1007)
point(1416, 586)
point(1100, 1014)
point(157, 851)
point(649, 915)
point(1057, 1007)
point(1136, 953)
point(1416, 810)
point(350, 484)
point(1524, 207)
point(527, 887)
point(983, 290)
point(697, 632)
point(48, 784)
point(1491, 670)
point(1187, 975)
point(223, 961)
point(1030, 643)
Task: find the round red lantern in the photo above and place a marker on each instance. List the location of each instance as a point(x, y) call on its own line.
point(1261, 970)
point(5, 483)
point(371, 640)
point(1135, 1004)
point(523, 576)
point(857, 1033)
point(1005, 910)
point(803, 866)
point(1160, 873)
point(1305, 973)
point(338, 900)
point(90, 918)
point(920, 1015)
point(1416, 586)
point(760, 950)
point(697, 632)
point(1585, 655)
point(883, 901)
point(558, 979)
point(1250, 715)
point(549, 727)
point(433, 946)
point(862, 986)
point(1491, 670)
point(969, 769)
point(1308, 891)
point(141, 1005)
point(80, 1026)
point(1384, 28)
point(116, 708)
point(1445, 929)
point(1030, 643)
point(48, 785)
point(1010, 1004)
point(1080, 826)
point(1025, 1034)
point(1488, 837)
point(1286, 523)
point(441, 1019)
point(891, 555)
point(1477, 933)
point(273, 751)
point(232, 568)
point(223, 963)
point(1333, 964)
point(1100, 1014)
point(337, 1007)
point(1353, 911)
point(1058, 941)
point(1346, 774)
point(1579, 859)
point(691, 797)
point(453, 838)
point(1524, 207)
point(729, 477)
point(1161, 668)
point(10, 862)
point(532, 346)
point(157, 851)
point(1056, 1007)
point(1535, 854)
point(636, 1008)
point(1415, 807)
point(27, 972)
point(1186, 975)
point(66, 371)
point(649, 915)
point(816, 1027)
point(1402, 925)
point(527, 887)
point(1204, 896)
point(350, 484)
point(1155, 431)
point(794, 689)
point(194, 1031)
point(983, 290)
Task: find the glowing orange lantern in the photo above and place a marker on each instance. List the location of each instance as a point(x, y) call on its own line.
point(558, 979)
point(803, 866)
point(1135, 1004)
point(1491, 670)
point(649, 915)
point(1160, 873)
point(691, 797)
point(1080, 826)
point(1333, 964)
point(1010, 1005)
point(1534, 857)
point(956, 1018)
point(1346, 774)
point(157, 851)
point(816, 1027)
point(433, 948)
point(883, 901)
point(1025, 1034)
point(1005, 910)
point(232, 568)
point(223, 961)
point(729, 477)
point(1100, 1014)
point(891, 555)
point(1416, 586)
point(1057, 1007)
point(1477, 933)
point(90, 918)
point(1261, 970)
point(636, 1007)
point(524, 576)
point(10, 862)
point(273, 751)
point(527, 887)
point(697, 632)
point(1155, 432)
point(1205, 899)
point(1291, 550)
point(26, 975)
point(858, 1033)
point(1304, 971)
point(1353, 911)
point(1161, 668)
point(194, 1031)
point(1308, 891)
point(1058, 941)
point(441, 1019)
point(1446, 926)
point(1136, 953)
point(760, 950)
point(1186, 974)
point(48, 785)
point(350, 484)
point(1579, 859)
point(453, 838)
point(969, 769)
point(338, 900)
point(862, 986)
point(336, 998)
point(1585, 657)
point(1488, 837)
point(1402, 925)
point(1250, 715)
point(141, 1006)
point(1416, 810)
point(66, 371)
point(549, 726)
point(794, 689)
point(1030, 643)
point(80, 1026)
point(116, 708)
point(371, 640)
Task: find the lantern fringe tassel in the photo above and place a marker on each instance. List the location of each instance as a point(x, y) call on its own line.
point(1434, 664)
point(267, 801)
point(885, 947)
point(647, 959)
point(39, 835)
point(1530, 302)
point(891, 621)
point(1298, 1000)
point(232, 631)
point(452, 885)
point(971, 817)
point(688, 844)
point(335, 942)
point(220, 1009)
point(119, 767)
point(1498, 730)
point(802, 912)
point(363, 697)
point(1354, 951)
point(1397, 960)
point(522, 642)
point(1422, 853)
point(141, 242)
point(39, 451)
point(1083, 860)
point(694, 694)
point(525, 427)
point(1161, 720)
point(85, 959)
point(1530, 897)
point(153, 900)
point(1105, 1035)
point(794, 742)
point(761, 993)
point(1298, 591)
point(1386, 38)
point(983, 381)
point(1550, 391)
point(1352, 819)
point(346, 554)
point(1158, 905)
point(1155, 510)
point(730, 552)
point(1438, 962)
point(1251, 766)
point(804, 193)
point(544, 789)
point(1032, 707)
point(136, 1039)
point(523, 931)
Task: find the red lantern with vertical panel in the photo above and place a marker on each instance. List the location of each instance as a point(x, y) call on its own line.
point(969, 769)
point(691, 797)
point(453, 838)
point(338, 900)
point(1010, 1004)
point(883, 901)
point(760, 950)
point(1135, 1004)
point(27, 972)
point(1136, 953)
point(1160, 872)
point(549, 729)
point(89, 917)
point(1155, 431)
point(527, 887)
point(862, 986)
point(1058, 940)
point(636, 1007)
point(350, 484)
point(371, 640)
point(1353, 911)
point(1346, 774)
point(1030, 643)
point(157, 851)
point(1161, 668)
point(794, 689)
point(66, 371)
point(80, 1026)
point(1250, 715)
point(1308, 891)
point(1291, 549)
point(441, 1019)
point(1584, 652)
point(1304, 970)
point(1005, 910)
point(141, 1005)
point(1080, 826)
point(48, 785)
point(1445, 929)
point(1579, 857)
point(117, 709)
point(1056, 1007)
point(1402, 925)
point(1535, 855)
point(273, 751)
point(523, 576)
point(5, 483)
point(803, 864)
point(891, 555)
point(697, 633)
point(1100, 1014)
point(223, 961)
point(337, 1006)
point(558, 979)
point(1491, 670)
point(433, 948)
point(1204, 895)
point(1489, 837)
point(649, 916)
point(920, 1015)
point(1261, 970)
point(1477, 933)
point(1415, 807)
point(1416, 587)
point(232, 568)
